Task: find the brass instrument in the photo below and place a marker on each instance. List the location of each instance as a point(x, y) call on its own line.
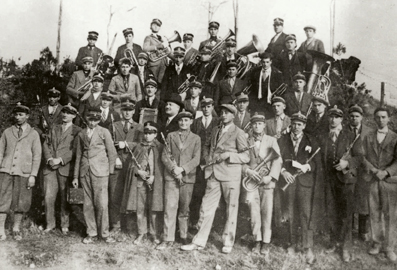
point(224, 151)
point(319, 82)
point(243, 63)
point(185, 85)
point(347, 154)
point(137, 164)
point(157, 55)
point(280, 90)
point(218, 48)
point(214, 72)
point(129, 53)
point(248, 127)
point(193, 59)
point(251, 184)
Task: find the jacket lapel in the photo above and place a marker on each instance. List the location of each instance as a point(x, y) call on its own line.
point(57, 112)
point(386, 141)
point(226, 135)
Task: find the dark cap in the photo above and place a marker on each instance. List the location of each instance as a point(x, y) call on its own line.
point(195, 84)
point(69, 109)
point(97, 78)
point(213, 24)
point(230, 42)
point(241, 97)
point(93, 35)
point(207, 101)
point(53, 92)
point(299, 76)
point(205, 50)
point(298, 117)
point(151, 82)
point(188, 36)
point(175, 98)
point(94, 113)
point(278, 21)
point(258, 117)
point(106, 96)
point(356, 108)
point(128, 104)
point(156, 21)
point(184, 113)
point(87, 59)
point(335, 111)
point(143, 55)
point(229, 107)
point(278, 99)
point(310, 27)
point(321, 97)
point(150, 126)
point(128, 31)
point(290, 37)
point(179, 51)
point(21, 108)
point(231, 63)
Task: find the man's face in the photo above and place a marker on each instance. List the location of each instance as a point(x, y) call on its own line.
point(207, 109)
point(91, 42)
point(53, 100)
point(318, 107)
point(299, 85)
point(258, 127)
point(87, 66)
point(125, 69)
point(21, 118)
point(278, 108)
point(187, 44)
point(172, 108)
point(155, 28)
point(205, 57)
point(381, 119)
point(149, 136)
point(127, 114)
point(290, 44)
point(129, 38)
point(334, 121)
point(179, 59)
point(297, 127)
point(184, 123)
point(92, 123)
point(67, 117)
point(213, 31)
point(232, 72)
point(242, 106)
point(150, 90)
point(105, 103)
point(355, 119)
point(195, 91)
point(309, 33)
point(142, 61)
point(278, 28)
point(226, 116)
point(266, 63)
point(230, 50)
point(97, 86)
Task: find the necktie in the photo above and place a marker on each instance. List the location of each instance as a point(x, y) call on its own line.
point(159, 37)
point(126, 127)
point(356, 131)
point(205, 122)
point(333, 136)
point(241, 118)
point(168, 122)
point(103, 116)
point(89, 133)
point(317, 118)
point(178, 70)
point(20, 131)
point(290, 55)
point(298, 96)
point(295, 141)
point(279, 125)
point(126, 83)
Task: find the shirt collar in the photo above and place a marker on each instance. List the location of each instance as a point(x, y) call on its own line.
point(105, 109)
point(24, 126)
point(180, 66)
point(151, 99)
point(282, 116)
point(67, 125)
point(383, 130)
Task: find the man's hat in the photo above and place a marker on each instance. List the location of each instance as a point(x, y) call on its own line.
point(53, 92)
point(298, 117)
point(150, 126)
point(241, 97)
point(184, 113)
point(299, 76)
point(195, 84)
point(143, 55)
point(106, 96)
point(97, 78)
point(310, 27)
point(335, 111)
point(230, 42)
point(93, 35)
point(87, 59)
point(125, 61)
point(69, 109)
point(205, 50)
point(278, 21)
point(213, 24)
point(128, 31)
point(151, 82)
point(229, 107)
point(21, 108)
point(179, 51)
point(188, 36)
point(128, 104)
point(94, 113)
point(156, 21)
point(231, 63)
point(175, 98)
point(356, 108)
point(278, 99)
point(320, 97)
point(207, 101)
point(258, 117)
point(290, 37)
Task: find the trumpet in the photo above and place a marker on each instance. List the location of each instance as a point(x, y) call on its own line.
point(193, 59)
point(129, 53)
point(214, 72)
point(280, 90)
point(185, 85)
point(157, 55)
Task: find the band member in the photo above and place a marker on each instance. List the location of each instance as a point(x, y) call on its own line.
point(296, 149)
point(203, 70)
point(279, 124)
point(52, 111)
point(89, 50)
point(173, 106)
point(152, 44)
point(129, 44)
point(297, 100)
point(342, 154)
point(242, 118)
point(59, 155)
point(92, 98)
point(213, 28)
point(193, 103)
point(265, 80)
point(362, 187)
point(380, 148)
point(137, 194)
point(227, 89)
point(223, 175)
point(95, 160)
point(290, 62)
point(229, 55)
point(78, 79)
point(142, 71)
point(20, 156)
point(277, 43)
point(311, 42)
point(175, 75)
point(190, 51)
point(260, 201)
point(108, 115)
point(317, 121)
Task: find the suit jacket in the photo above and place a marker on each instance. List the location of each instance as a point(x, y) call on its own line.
point(119, 91)
point(108, 122)
point(51, 120)
point(233, 141)
point(225, 94)
point(186, 155)
point(61, 145)
point(76, 81)
point(166, 129)
point(204, 133)
point(271, 126)
point(146, 74)
point(203, 71)
point(222, 72)
point(86, 51)
point(292, 104)
point(144, 103)
point(96, 155)
point(134, 135)
point(150, 45)
point(189, 54)
point(188, 106)
point(315, 44)
point(268, 146)
point(86, 104)
point(298, 63)
point(208, 43)
point(382, 157)
point(238, 123)
point(317, 129)
point(277, 47)
point(171, 80)
point(137, 49)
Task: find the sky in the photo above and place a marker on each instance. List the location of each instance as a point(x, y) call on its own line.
point(365, 27)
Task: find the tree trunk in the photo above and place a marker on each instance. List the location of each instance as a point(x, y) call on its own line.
point(59, 34)
point(235, 6)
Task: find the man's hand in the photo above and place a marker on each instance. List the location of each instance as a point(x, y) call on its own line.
point(224, 156)
point(305, 168)
point(343, 164)
point(266, 180)
point(119, 164)
point(160, 46)
point(51, 162)
point(56, 161)
point(150, 180)
point(121, 145)
point(253, 174)
point(183, 96)
point(75, 183)
point(381, 175)
point(177, 170)
point(31, 182)
point(288, 177)
point(143, 174)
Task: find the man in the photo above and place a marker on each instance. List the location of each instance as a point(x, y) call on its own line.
point(260, 201)
point(51, 113)
point(190, 52)
point(223, 174)
point(108, 115)
point(297, 100)
point(175, 75)
point(95, 160)
point(203, 71)
point(226, 89)
point(89, 50)
point(179, 176)
point(277, 43)
point(229, 55)
point(135, 48)
point(20, 156)
point(142, 71)
point(311, 43)
point(380, 148)
point(362, 187)
point(92, 98)
point(342, 155)
point(290, 61)
point(193, 103)
point(280, 123)
point(78, 79)
point(264, 80)
point(59, 155)
point(296, 149)
point(242, 119)
point(152, 44)
point(317, 121)
point(168, 122)
point(213, 28)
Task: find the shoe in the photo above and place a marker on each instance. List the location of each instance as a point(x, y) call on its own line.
point(391, 256)
point(140, 239)
point(48, 230)
point(3, 237)
point(365, 237)
point(227, 250)
point(310, 258)
point(291, 250)
point(65, 231)
point(256, 248)
point(346, 256)
point(374, 250)
point(265, 251)
point(90, 239)
point(191, 246)
point(109, 239)
point(17, 235)
point(155, 240)
point(165, 245)
point(331, 249)
point(184, 241)
point(115, 231)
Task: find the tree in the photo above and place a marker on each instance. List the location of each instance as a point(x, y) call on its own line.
point(235, 11)
point(212, 8)
point(111, 13)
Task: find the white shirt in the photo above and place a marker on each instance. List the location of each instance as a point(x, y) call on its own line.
point(90, 132)
point(381, 134)
point(65, 126)
point(96, 95)
point(105, 112)
point(150, 100)
point(301, 95)
point(52, 109)
point(206, 120)
point(228, 58)
point(180, 67)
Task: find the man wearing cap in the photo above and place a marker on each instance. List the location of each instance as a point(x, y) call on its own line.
point(142, 71)
point(297, 100)
point(20, 156)
point(342, 155)
point(175, 74)
point(300, 176)
point(225, 153)
point(265, 79)
point(290, 62)
point(153, 43)
point(277, 43)
point(51, 113)
point(311, 43)
point(168, 122)
point(229, 55)
point(279, 124)
point(380, 147)
point(213, 28)
point(260, 201)
point(179, 176)
point(193, 103)
point(89, 50)
point(203, 70)
point(317, 121)
point(190, 51)
point(95, 160)
point(108, 115)
point(92, 98)
point(78, 79)
point(59, 154)
point(136, 49)
point(242, 119)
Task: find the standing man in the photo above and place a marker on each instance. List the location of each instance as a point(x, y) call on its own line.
point(279, 124)
point(229, 55)
point(380, 148)
point(135, 48)
point(52, 111)
point(108, 115)
point(169, 123)
point(92, 98)
point(277, 43)
point(203, 70)
point(297, 100)
point(317, 121)
point(311, 43)
point(59, 154)
point(223, 173)
point(242, 119)
point(20, 156)
point(190, 51)
point(142, 71)
point(213, 28)
point(89, 50)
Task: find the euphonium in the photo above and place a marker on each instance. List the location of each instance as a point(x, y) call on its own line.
point(318, 80)
point(218, 48)
point(128, 53)
point(157, 55)
point(280, 90)
point(243, 63)
point(185, 85)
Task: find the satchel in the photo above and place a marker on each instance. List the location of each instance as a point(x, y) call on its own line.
point(75, 196)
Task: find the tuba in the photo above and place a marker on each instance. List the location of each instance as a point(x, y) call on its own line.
point(128, 53)
point(243, 63)
point(157, 55)
point(319, 81)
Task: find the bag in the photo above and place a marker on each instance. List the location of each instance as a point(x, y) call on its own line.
point(75, 196)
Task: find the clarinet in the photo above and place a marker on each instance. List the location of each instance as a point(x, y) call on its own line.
point(171, 157)
point(137, 165)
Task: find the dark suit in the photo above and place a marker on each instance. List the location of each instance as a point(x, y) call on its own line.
point(50, 119)
point(77, 79)
point(246, 120)
point(144, 103)
point(166, 129)
point(171, 80)
point(222, 72)
point(294, 106)
point(158, 67)
point(224, 94)
point(203, 71)
point(276, 47)
point(315, 44)
point(94, 52)
point(317, 128)
point(146, 74)
point(108, 122)
point(298, 63)
point(90, 102)
point(209, 43)
point(120, 53)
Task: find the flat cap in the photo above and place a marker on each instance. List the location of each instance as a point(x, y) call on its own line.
point(128, 31)
point(150, 126)
point(94, 113)
point(19, 107)
point(87, 59)
point(299, 76)
point(356, 108)
point(184, 114)
point(229, 107)
point(151, 82)
point(278, 99)
point(195, 84)
point(278, 21)
point(241, 97)
point(97, 78)
point(188, 36)
point(310, 27)
point(179, 51)
point(156, 21)
point(298, 117)
point(335, 111)
point(205, 50)
point(143, 55)
point(258, 117)
point(128, 104)
point(69, 109)
point(93, 35)
point(53, 92)
point(290, 37)
point(231, 63)
point(213, 24)
point(106, 96)
point(230, 42)
point(207, 101)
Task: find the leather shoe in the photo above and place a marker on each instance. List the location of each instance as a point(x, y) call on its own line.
point(109, 239)
point(227, 250)
point(164, 245)
point(48, 230)
point(310, 258)
point(346, 256)
point(265, 251)
point(65, 231)
point(155, 240)
point(184, 241)
point(140, 239)
point(391, 256)
point(257, 247)
point(374, 250)
point(291, 250)
point(191, 247)
point(90, 239)
point(17, 235)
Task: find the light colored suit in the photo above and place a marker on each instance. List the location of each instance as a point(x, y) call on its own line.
point(271, 126)
point(75, 82)
point(119, 91)
point(158, 68)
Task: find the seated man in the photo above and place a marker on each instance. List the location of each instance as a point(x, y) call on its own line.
point(242, 119)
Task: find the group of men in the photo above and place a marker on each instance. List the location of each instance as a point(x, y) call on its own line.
point(288, 156)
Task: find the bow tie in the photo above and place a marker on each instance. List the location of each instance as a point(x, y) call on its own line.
point(382, 131)
point(291, 53)
point(159, 37)
point(213, 38)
